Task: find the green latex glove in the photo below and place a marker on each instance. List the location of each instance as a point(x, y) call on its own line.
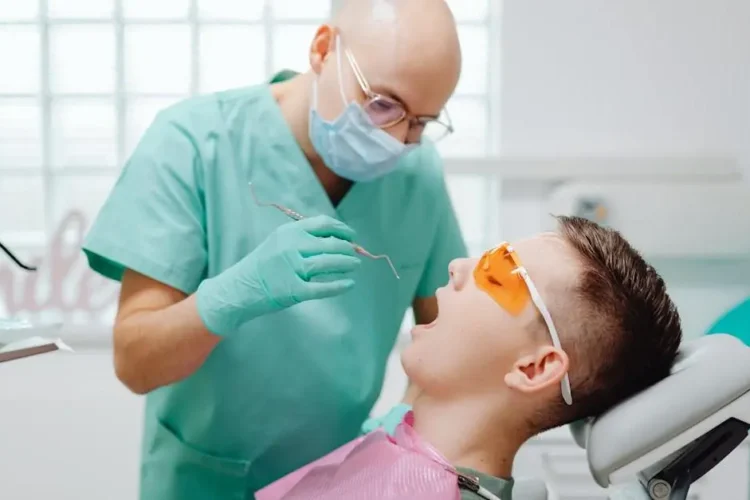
point(389, 422)
point(300, 261)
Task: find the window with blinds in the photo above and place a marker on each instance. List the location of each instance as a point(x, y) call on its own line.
point(82, 79)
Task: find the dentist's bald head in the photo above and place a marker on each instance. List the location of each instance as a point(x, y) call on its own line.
point(406, 49)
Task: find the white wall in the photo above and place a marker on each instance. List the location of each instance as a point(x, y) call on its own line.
point(626, 78)
point(631, 77)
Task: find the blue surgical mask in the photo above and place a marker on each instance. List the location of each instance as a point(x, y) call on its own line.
point(351, 145)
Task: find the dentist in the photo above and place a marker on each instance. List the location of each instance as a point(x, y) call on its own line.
point(262, 342)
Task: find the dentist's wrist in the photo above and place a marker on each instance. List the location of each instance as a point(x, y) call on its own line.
point(223, 309)
point(387, 422)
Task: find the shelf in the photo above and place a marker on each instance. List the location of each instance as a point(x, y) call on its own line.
point(598, 168)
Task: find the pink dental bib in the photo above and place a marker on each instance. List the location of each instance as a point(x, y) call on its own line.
point(376, 467)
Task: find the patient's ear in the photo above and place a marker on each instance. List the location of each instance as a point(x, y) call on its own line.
point(538, 371)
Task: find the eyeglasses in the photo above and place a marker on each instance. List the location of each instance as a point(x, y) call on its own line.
point(386, 112)
point(500, 273)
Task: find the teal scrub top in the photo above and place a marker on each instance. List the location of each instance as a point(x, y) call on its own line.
point(290, 386)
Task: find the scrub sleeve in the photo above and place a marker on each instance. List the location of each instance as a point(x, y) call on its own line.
point(152, 222)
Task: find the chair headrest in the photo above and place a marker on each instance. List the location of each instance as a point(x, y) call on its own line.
point(710, 372)
point(529, 489)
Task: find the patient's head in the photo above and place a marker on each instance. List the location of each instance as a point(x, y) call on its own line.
point(618, 328)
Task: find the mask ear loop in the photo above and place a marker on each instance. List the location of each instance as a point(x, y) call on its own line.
point(315, 94)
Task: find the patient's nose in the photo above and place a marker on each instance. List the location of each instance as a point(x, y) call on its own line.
point(459, 271)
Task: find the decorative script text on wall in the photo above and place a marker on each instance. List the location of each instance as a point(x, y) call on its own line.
point(63, 285)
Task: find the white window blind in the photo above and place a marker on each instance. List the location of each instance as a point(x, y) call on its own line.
point(82, 79)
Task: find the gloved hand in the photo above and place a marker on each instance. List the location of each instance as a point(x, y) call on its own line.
point(389, 422)
point(303, 260)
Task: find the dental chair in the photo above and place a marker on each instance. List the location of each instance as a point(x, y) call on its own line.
point(673, 433)
point(662, 440)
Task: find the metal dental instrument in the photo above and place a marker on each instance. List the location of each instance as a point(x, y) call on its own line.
point(15, 259)
point(296, 216)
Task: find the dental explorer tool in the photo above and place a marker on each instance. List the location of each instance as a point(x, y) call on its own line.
point(297, 216)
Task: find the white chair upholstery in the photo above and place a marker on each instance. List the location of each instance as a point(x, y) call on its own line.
point(529, 489)
point(671, 434)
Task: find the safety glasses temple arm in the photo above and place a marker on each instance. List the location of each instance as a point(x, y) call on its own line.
point(539, 303)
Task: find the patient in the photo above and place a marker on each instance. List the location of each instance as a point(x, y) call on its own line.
point(494, 371)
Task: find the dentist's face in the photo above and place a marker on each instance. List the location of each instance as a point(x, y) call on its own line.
point(475, 342)
point(417, 74)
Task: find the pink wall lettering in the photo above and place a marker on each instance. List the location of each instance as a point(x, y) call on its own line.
point(63, 285)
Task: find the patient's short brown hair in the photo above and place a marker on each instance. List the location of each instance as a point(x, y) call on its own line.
point(628, 331)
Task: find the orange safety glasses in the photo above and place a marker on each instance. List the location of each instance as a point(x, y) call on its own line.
point(500, 274)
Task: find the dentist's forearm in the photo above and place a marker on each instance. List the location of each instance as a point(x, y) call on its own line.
point(157, 348)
